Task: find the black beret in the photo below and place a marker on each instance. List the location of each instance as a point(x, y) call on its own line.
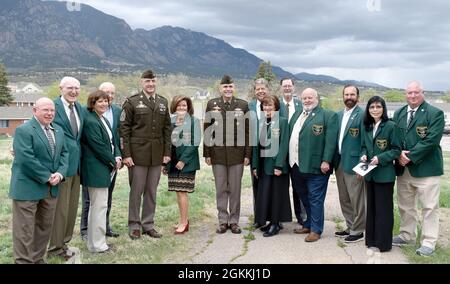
point(148, 74)
point(226, 80)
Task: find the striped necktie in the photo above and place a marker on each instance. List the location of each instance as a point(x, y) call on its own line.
point(50, 140)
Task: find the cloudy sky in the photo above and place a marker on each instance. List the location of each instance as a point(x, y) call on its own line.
point(389, 42)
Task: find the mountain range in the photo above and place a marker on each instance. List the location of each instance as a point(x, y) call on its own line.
point(44, 35)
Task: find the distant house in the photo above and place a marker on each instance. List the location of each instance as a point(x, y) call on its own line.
point(12, 117)
point(22, 99)
point(25, 87)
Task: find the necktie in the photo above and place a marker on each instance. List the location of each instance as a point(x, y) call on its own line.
point(50, 139)
point(227, 106)
point(73, 121)
point(287, 110)
point(411, 117)
point(303, 118)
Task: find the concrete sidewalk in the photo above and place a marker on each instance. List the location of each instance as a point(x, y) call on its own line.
point(284, 248)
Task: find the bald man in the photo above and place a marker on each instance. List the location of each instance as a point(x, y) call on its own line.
point(113, 117)
point(313, 140)
point(419, 168)
point(40, 164)
point(69, 116)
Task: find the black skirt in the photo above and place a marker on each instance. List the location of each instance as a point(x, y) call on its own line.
point(272, 201)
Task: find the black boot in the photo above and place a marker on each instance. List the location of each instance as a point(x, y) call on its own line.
point(265, 228)
point(274, 229)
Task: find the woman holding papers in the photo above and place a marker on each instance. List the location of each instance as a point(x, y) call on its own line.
point(97, 166)
point(380, 146)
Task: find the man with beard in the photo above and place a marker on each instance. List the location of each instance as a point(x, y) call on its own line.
point(350, 186)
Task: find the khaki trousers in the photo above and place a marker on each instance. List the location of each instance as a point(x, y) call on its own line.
point(32, 226)
point(352, 198)
point(96, 232)
point(65, 214)
point(143, 182)
point(426, 191)
point(228, 192)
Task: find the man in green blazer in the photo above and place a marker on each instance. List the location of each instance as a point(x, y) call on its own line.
point(288, 106)
point(70, 117)
point(40, 164)
point(313, 136)
point(113, 117)
point(145, 131)
point(350, 186)
point(227, 151)
point(419, 168)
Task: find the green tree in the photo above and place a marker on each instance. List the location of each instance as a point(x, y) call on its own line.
point(394, 96)
point(366, 95)
point(5, 92)
point(446, 97)
point(265, 71)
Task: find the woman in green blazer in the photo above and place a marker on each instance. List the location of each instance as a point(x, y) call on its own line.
point(380, 146)
point(270, 168)
point(98, 166)
point(186, 135)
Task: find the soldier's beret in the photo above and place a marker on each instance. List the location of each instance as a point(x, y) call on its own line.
point(226, 80)
point(148, 74)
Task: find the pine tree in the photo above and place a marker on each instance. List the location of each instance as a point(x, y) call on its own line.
point(5, 92)
point(265, 71)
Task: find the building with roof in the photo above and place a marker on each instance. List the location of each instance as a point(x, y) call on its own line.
point(12, 117)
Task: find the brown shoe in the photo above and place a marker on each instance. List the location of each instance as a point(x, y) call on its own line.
point(302, 231)
point(135, 234)
point(312, 237)
point(152, 233)
point(235, 229)
point(222, 228)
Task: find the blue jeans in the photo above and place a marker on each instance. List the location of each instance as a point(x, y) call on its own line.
point(312, 190)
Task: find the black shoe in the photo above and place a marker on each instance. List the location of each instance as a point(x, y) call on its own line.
point(265, 228)
point(274, 229)
point(112, 234)
point(354, 238)
point(342, 234)
point(257, 225)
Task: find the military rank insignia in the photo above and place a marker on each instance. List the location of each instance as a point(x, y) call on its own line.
point(123, 116)
point(381, 144)
point(141, 105)
point(317, 129)
point(421, 131)
point(354, 132)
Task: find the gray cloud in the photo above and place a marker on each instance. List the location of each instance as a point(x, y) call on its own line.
point(341, 38)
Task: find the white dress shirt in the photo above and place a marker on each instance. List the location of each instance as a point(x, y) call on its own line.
point(67, 109)
point(345, 119)
point(291, 107)
point(293, 142)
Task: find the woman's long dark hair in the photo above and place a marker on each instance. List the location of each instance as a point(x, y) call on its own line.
point(368, 119)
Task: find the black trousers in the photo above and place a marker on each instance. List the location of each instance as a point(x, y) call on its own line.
point(85, 202)
point(380, 215)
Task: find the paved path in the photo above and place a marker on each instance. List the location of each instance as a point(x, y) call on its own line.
point(286, 247)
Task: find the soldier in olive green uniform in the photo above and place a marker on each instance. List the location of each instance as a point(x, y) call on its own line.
point(419, 168)
point(227, 152)
point(145, 143)
point(380, 146)
point(313, 136)
point(350, 186)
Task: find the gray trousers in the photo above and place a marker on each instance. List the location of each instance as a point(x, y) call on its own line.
point(32, 226)
point(65, 214)
point(228, 192)
point(352, 197)
point(143, 182)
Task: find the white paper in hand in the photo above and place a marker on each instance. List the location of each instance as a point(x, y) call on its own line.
point(363, 168)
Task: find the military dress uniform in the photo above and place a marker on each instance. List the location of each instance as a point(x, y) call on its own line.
point(145, 131)
point(421, 177)
point(227, 160)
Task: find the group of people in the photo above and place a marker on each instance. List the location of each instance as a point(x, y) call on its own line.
point(284, 141)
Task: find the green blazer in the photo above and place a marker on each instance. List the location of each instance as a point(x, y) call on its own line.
point(33, 162)
point(386, 146)
point(297, 105)
point(317, 139)
point(186, 139)
point(115, 126)
point(278, 132)
point(72, 142)
point(351, 143)
point(422, 139)
point(98, 161)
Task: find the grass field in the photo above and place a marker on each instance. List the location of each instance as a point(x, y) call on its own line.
point(171, 246)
